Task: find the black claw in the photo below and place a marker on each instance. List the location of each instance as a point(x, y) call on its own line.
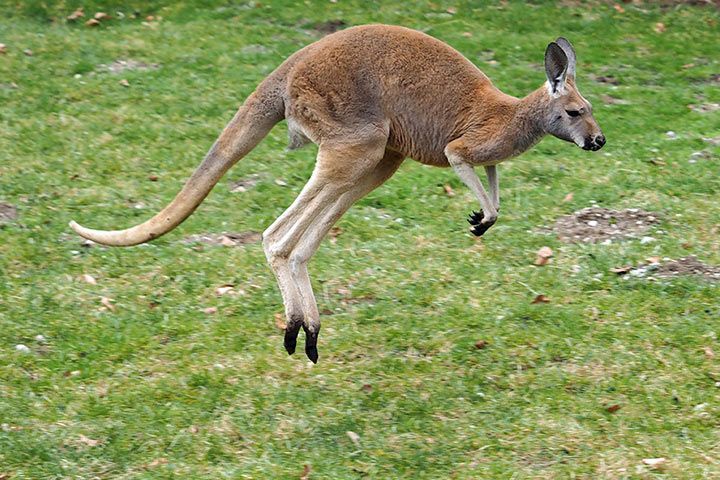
point(311, 344)
point(480, 229)
point(475, 217)
point(291, 333)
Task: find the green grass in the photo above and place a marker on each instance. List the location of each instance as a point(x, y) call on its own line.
point(159, 389)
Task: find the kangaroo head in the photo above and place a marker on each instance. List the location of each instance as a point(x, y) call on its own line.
point(568, 116)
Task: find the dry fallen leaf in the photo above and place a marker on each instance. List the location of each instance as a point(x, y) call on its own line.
point(451, 10)
point(621, 270)
point(543, 256)
point(613, 408)
point(102, 391)
point(480, 344)
point(3, 48)
point(653, 259)
point(709, 352)
point(79, 13)
point(226, 289)
point(541, 299)
point(280, 321)
point(610, 100)
point(193, 429)
point(619, 8)
point(448, 190)
point(305, 475)
point(100, 16)
point(124, 83)
point(654, 462)
point(281, 182)
point(88, 441)
point(334, 233)
point(106, 303)
point(354, 437)
point(568, 197)
point(226, 241)
point(659, 27)
point(28, 52)
point(367, 388)
point(89, 279)
point(157, 462)
point(210, 310)
point(153, 178)
point(92, 23)
point(467, 34)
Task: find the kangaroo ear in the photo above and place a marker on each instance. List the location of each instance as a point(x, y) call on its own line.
point(556, 66)
point(570, 53)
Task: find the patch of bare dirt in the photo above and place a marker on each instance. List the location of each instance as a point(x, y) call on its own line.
point(597, 224)
point(226, 239)
point(714, 141)
point(688, 266)
point(605, 79)
point(668, 268)
point(331, 26)
point(8, 213)
point(254, 49)
point(640, 3)
point(704, 107)
point(714, 78)
point(120, 66)
point(244, 184)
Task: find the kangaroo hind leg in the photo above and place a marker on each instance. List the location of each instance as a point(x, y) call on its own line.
point(316, 231)
point(340, 169)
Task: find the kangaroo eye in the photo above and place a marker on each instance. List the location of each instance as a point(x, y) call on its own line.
point(573, 113)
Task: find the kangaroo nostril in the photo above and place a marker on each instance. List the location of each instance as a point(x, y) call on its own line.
point(600, 140)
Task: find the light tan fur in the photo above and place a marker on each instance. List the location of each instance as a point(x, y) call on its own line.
point(369, 97)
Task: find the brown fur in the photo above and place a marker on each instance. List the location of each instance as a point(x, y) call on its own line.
point(369, 97)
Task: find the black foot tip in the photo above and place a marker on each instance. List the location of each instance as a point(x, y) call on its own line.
point(290, 342)
point(480, 229)
point(312, 354)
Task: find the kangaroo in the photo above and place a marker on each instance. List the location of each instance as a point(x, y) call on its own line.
point(369, 97)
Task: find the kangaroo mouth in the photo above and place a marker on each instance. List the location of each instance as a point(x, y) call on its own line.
point(593, 145)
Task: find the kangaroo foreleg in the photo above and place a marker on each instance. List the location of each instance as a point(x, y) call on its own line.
point(493, 185)
point(483, 220)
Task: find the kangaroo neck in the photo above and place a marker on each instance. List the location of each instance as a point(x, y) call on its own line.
point(527, 123)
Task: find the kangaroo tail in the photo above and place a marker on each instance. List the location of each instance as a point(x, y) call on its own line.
point(248, 127)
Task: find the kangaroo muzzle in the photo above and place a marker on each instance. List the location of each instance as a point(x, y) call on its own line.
point(594, 143)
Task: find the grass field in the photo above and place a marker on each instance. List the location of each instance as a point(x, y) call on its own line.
point(134, 376)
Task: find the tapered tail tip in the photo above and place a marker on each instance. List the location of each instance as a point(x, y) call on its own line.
point(79, 229)
point(86, 233)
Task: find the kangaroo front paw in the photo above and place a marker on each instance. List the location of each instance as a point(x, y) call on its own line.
point(475, 217)
point(479, 229)
point(480, 224)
